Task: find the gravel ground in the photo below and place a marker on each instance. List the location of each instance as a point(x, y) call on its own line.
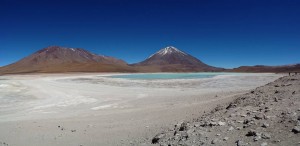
point(268, 115)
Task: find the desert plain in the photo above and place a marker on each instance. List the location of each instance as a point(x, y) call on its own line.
point(92, 109)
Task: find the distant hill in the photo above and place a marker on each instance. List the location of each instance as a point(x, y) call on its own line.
point(171, 59)
point(271, 69)
point(61, 59)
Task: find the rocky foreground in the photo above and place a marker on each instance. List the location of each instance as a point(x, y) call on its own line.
point(268, 115)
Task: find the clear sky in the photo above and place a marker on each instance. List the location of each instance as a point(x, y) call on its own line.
point(223, 33)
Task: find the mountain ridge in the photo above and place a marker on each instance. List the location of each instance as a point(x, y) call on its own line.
point(62, 59)
point(267, 69)
point(56, 59)
point(76, 54)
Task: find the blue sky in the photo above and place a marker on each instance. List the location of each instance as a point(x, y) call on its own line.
point(223, 33)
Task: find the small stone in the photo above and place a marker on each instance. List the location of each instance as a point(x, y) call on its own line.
point(232, 115)
point(243, 115)
point(183, 126)
point(197, 125)
point(246, 121)
point(264, 144)
point(266, 136)
point(218, 134)
point(296, 129)
point(157, 138)
point(184, 135)
point(225, 138)
point(265, 125)
point(277, 140)
point(276, 92)
point(251, 133)
point(231, 128)
point(231, 105)
point(240, 143)
point(221, 123)
point(268, 117)
point(256, 138)
point(214, 141)
point(298, 123)
point(190, 131)
point(258, 117)
point(212, 124)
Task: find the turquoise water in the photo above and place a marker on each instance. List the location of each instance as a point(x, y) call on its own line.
point(151, 76)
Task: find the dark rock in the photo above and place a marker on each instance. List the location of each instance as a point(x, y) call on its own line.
point(296, 129)
point(231, 105)
point(156, 139)
point(258, 117)
point(251, 133)
point(183, 127)
point(246, 121)
point(213, 124)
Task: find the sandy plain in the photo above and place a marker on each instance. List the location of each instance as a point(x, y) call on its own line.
point(93, 109)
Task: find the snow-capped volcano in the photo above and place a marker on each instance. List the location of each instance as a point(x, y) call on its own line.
point(173, 59)
point(169, 50)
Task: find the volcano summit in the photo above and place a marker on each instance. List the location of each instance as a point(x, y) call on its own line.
point(171, 59)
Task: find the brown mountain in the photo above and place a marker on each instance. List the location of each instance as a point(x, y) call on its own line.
point(171, 59)
point(270, 69)
point(61, 59)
